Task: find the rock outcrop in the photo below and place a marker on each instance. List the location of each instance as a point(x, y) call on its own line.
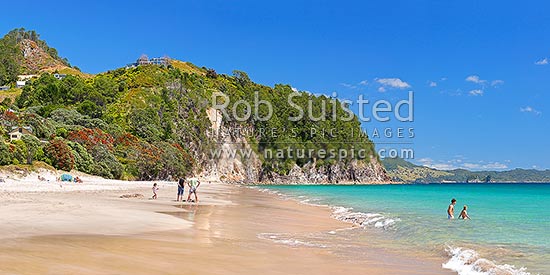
point(233, 160)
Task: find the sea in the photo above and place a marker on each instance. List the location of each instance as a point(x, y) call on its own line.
point(508, 233)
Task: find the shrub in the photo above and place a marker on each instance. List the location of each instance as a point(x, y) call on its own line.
point(83, 161)
point(5, 154)
point(60, 154)
point(33, 148)
point(105, 163)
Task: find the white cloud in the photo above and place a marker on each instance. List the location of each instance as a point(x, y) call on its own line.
point(460, 164)
point(475, 79)
point(432, 84)
point(428, 162)
point(497, 82)
point(349, 86)
point(543, 61)
point(485, 166)
point(529, 109)
point(476, 92)
point(381, 89)
point(355, 86)
point(393, 83)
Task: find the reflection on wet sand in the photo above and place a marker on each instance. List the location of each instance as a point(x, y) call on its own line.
point(222, 240)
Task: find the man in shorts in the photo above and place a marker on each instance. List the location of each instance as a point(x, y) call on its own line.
point(181, 187)
point(193, 184)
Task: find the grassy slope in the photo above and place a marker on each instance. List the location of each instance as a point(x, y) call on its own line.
point(402, 170)
point(11, 94)
point(187, 67)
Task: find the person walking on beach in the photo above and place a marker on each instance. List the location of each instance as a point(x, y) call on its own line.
point(464, 214)
point(193, 183)
point(451, 210)
point(181, 187)
point(155, 189)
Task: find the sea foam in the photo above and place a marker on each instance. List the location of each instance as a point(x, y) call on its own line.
point(468, 262)
point(363, 219)
point(286, 240)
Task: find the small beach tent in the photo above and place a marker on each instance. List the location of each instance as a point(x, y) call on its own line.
point(66, 177)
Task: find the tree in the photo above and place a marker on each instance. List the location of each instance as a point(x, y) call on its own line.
point(241, 77)
point(34, 150)
point(60, 154)
point(145, 123)
point(211, 73)
point(105, 163)
point(83, 161)
point(10, 57)
point(5, 155)
point(90, 109)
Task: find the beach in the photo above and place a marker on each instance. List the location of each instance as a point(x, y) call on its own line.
point(89, 229)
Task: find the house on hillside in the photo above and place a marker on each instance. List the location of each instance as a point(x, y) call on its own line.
point(144, 60)
point(18, 132)
point(59, 76)
point(20, 84)
point(4, 88)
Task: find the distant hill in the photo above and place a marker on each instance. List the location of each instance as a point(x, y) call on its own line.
point(400, 170)
point(403, 171)
point(23, 52)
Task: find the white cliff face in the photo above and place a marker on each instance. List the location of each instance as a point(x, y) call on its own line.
point(237, 162)
point(233, 159)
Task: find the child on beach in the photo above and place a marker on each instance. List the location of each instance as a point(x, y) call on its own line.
point(464, 215)
point(155, 189)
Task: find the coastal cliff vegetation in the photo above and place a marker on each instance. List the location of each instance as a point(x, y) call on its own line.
point(152, 121)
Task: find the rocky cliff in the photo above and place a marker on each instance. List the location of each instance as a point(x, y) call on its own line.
point(237, 162)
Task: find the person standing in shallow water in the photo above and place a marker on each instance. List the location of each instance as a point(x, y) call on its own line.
point(451, 210)
point(181, 187)
point(464, 214)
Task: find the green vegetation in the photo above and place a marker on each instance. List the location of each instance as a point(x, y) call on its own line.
point(12, 60)
point(404, 171)
point(150, 122)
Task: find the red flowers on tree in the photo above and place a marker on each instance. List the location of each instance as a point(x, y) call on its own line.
point(91, 137)
point(60, 154)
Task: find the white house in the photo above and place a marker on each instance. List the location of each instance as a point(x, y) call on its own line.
point(20, 84)
point(59, 76)
point(25, 77)
point(18, 132)
point(15, 135)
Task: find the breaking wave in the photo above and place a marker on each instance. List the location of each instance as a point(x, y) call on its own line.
point(468, 262)
point(363, 219)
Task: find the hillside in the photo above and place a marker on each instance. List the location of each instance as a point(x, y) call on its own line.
point(404, 171)
point(157, 121)
point(22, 52)
point(400, 170)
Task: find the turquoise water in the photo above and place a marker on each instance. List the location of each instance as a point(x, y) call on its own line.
point(510, 223)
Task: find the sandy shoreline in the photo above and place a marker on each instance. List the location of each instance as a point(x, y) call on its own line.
point(89, 229)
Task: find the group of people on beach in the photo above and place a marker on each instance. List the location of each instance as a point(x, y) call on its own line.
point(451, 211)
point(192, 183)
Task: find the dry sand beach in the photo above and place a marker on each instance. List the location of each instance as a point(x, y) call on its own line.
point(88, 229)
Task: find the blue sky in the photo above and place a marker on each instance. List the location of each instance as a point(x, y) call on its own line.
point(480, 99)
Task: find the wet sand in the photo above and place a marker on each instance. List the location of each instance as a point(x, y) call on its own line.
point(221, 235)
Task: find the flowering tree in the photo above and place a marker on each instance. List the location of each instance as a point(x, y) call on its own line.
point(60, 154)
